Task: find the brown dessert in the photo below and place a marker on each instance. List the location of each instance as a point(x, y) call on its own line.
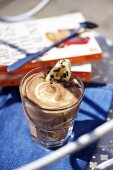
point(51, 106)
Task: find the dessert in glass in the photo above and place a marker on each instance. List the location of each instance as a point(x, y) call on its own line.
point(51, 98)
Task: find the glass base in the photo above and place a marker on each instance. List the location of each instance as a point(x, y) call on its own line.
point(53, 144)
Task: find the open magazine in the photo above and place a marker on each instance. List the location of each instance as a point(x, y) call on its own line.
point(19, 39)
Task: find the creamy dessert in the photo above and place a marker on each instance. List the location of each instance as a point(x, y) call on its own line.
point(51, 101)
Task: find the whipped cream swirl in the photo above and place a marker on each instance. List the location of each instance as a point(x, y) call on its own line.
point(50, 96)
point(53, 95)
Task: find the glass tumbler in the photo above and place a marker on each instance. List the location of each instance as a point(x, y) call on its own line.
point(49, 127)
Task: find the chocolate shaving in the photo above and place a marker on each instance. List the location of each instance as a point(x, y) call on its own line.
point(64, 75)
point(57, 75)
point(52, 76)
point(67, 73)
point(57, 70)
point(62, 66)
point(69, 84)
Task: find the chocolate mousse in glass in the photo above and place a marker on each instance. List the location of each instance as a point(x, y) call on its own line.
point(50, 106)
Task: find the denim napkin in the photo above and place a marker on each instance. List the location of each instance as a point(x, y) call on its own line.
point(16, 146)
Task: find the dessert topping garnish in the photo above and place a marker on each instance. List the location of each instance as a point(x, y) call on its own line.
point(60, 72)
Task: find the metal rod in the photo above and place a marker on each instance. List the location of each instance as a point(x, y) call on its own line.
point(71, 147)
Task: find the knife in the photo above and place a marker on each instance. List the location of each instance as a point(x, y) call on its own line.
point(82, 28)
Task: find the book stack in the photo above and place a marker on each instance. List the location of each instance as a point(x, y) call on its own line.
point(19, 39)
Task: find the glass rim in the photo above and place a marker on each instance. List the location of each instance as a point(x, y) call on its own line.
point(56, 109)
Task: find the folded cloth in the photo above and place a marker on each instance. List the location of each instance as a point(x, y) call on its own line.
point(16, 145)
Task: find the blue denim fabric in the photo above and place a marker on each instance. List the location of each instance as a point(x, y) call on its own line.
point(16, 146)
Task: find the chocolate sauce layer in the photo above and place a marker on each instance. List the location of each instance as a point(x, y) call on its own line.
point(51, 95)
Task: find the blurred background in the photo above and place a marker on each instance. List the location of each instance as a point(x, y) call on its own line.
point(99, 11)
